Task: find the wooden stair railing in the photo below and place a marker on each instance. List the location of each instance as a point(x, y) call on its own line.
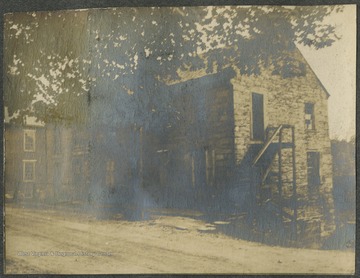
point(266, 145)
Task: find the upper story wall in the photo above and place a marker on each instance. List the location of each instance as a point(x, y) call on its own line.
point(205, 118)
point(302, 102)
point(284, 103)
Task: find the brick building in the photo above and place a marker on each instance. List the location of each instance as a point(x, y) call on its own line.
point(25, 162)
point(45, 163)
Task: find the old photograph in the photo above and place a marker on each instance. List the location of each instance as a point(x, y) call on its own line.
point(167, 140)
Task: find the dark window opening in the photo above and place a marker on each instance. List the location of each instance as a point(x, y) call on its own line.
point(257, 116)
point(313, 168)
point(210, 166)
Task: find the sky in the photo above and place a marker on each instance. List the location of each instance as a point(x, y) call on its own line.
point(335, 66)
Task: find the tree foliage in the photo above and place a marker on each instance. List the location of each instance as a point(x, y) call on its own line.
point(58, 64)
point(343, 154)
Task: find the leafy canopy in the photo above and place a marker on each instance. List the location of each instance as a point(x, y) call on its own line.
point(58, 63)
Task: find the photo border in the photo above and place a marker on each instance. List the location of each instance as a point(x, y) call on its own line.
point(8, 6)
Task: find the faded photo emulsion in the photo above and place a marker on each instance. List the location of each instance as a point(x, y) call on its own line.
point(199, 140)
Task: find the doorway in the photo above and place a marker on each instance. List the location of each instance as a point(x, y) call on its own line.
point(257, 117)
point(313, 168)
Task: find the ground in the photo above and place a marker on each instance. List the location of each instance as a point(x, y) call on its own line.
point(48, 241)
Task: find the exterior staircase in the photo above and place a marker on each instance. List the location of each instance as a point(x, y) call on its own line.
point(267, 178)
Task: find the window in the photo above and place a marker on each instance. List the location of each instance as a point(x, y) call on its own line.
point(28, 190)
point(313, 168)
point(210, 166)
point(309, 116)
point(257, 116)
point(29, 140)
point(76, 165)
point(29, 170)
point(57, 177)
point(78, 141)
point(57, 141)
point(110, 166)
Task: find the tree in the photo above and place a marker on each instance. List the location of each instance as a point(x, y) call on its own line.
point(44, 68)
point(263, 35)
point(62, 65)
point(343, 154)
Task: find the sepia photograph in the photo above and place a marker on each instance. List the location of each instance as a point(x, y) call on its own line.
point(180, 140)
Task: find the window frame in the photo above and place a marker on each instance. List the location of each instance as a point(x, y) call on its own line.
point(313, 127)
point(29, 191)
point(310, 167)
point(263, 93)
point(30, 133)
point(33, 162)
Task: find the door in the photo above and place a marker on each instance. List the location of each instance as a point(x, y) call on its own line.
point(199, 169)
point(257, 116)
point(57, 181)
point(313, 168)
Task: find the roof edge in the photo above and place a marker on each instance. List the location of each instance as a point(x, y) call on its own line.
point(313, 72)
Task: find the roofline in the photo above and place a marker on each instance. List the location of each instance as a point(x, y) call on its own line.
point(317, 78)
point(223, 73)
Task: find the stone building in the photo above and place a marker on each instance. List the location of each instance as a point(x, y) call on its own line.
point(301, 103)
point(248, 141)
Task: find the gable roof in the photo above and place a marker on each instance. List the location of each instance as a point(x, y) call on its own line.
point(203, 79)
point(190, 75)
point(313, 72)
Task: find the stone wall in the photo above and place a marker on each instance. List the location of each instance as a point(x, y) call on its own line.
point(284, 103)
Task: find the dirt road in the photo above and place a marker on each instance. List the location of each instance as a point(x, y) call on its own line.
point(39, 241)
